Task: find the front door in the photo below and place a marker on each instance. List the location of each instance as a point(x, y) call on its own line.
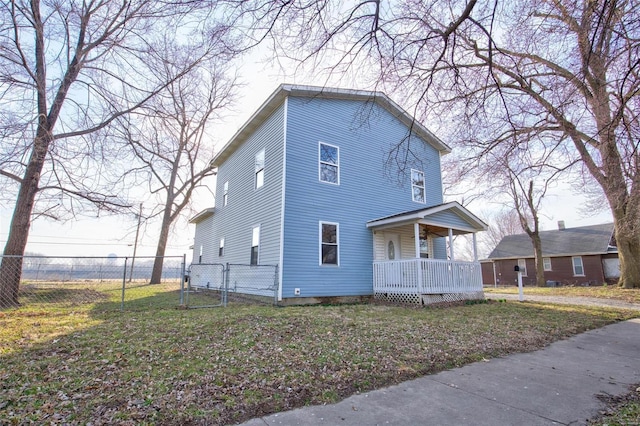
point(393, 270)
point(391, 246)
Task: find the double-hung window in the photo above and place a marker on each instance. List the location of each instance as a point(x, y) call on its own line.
point(417, 186)
point(546, 262)
point(221, 248)
point(255, 245)
point(522, 264)
point(225, 193)
point(329, 253)
point(578, 267)
point(329, 163)
point(259, 169)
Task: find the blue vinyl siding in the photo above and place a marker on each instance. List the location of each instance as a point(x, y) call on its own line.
point(247, 206)
point(203, 238)
point(369, 188)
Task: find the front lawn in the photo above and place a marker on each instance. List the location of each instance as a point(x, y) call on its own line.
point(603, 292)
point(79, 365)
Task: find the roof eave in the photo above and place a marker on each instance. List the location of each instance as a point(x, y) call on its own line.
point(285, 90)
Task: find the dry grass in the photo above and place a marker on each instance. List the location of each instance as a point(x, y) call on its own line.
point(77, 365)
point(604, 292)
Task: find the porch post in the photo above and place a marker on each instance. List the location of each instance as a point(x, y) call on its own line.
point(416, 233)
point(475, 248)
point(451, 257)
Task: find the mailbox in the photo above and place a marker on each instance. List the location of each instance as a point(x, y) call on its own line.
point(516, 268)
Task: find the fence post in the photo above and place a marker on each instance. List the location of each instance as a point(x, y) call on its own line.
point(275, 286)
point(124, 283)
point(184, 263)
point(225, 296)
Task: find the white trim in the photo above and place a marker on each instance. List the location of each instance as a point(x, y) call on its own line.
point(424, 186)
point(256, 170)
point(544, 264)
point(523, 270)
point(475, 247)
point(320, 162)
point(221, 246)
point(451, 256)
point(285, 90)
point(422, 214)
point(259, 226)
point(573, 265)
point(320, 223)
point(282, 192)
point(416, 236)
point(202, 215)
point(225, 193)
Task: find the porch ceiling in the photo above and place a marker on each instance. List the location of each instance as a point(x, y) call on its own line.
point(433, 220)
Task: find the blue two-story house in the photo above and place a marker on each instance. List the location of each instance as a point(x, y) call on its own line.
point(342, 190)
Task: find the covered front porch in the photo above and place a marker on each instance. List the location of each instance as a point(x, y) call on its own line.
point(414, 258)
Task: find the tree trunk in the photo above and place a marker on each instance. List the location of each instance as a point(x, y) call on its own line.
point(156, 273)
point(11, 267)
point(537, 256)
point(628, 244)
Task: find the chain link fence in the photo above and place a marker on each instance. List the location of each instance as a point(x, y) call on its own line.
point(216, 284)
point(106, 283)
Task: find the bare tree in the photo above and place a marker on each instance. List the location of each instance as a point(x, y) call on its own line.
point(67, 70)
point(170, 136)
point(521, 72)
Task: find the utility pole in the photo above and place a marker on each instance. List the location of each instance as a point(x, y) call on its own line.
point(135, 244)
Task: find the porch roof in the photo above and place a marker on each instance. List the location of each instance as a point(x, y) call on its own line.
point(202, 215)
point(438, 219)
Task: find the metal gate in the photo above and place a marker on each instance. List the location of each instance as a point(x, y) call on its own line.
point(214, 284)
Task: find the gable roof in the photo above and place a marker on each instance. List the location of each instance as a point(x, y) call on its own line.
point(285, 90)
point(583, 240)
point(424, 216)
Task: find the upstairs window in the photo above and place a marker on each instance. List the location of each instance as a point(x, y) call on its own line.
point(329, 243)
point(546, 262)
point(329, 163)
point(200, 256)
point(417, 186)
point(259, 169)
point(225, 193)
point(255, 245)
point(221, 249)
point(578, 267)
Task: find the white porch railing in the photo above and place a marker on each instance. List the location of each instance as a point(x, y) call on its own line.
point(426, 276)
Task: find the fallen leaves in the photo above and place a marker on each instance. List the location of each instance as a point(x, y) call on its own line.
point(221, 366)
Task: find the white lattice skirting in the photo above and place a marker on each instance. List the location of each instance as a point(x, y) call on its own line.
point(428, 299)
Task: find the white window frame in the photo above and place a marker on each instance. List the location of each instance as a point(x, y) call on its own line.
point(200, 256)
point(221, 248)
point(320, 163)
point(321, 243)
point(573, 264)
point(225, 193)
point(522, 264)
point(255, 242)
point(546, 263)
point(423, 187)
point(259, 170)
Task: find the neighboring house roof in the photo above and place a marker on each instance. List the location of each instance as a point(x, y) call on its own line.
point(284, 90)
point(202, 215)
point(583, 240)
point(427, 216)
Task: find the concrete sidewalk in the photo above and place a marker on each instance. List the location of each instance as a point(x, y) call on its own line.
point(555, 385)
